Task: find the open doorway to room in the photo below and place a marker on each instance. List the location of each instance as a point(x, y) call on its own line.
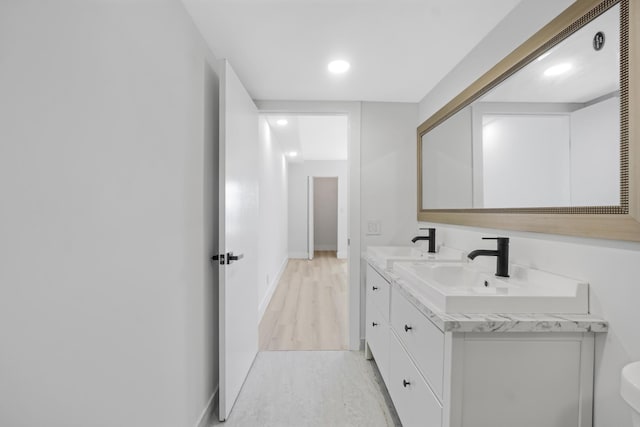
point(308, 307)
point(322, 217)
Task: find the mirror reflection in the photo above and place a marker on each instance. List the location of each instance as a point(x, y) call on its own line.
point(548, 136)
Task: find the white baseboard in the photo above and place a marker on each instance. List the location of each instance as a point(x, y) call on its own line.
point(325, 248)
point(305, 255)
point(298, 255)
point(262, 308)
point(207, 413)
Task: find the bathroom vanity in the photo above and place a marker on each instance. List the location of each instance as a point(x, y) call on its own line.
point(473, 370)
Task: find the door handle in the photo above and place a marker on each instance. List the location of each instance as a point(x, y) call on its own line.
point(231, 257)
point(218, 258)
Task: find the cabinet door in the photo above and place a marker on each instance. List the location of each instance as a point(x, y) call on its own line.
point(525, 380)
point(423, 340)
point(377, 334)
point(378, 291)
point(414, 401)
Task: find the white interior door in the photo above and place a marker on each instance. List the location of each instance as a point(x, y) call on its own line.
point(238, 236)
point(310, 242)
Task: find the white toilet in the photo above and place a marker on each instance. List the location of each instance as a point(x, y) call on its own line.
point(630, 389)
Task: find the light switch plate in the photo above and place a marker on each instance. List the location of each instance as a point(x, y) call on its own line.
point(374, 227)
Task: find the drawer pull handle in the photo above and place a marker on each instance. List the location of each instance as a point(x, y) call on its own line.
point(375, 288)
point(405, 383)
point(407, 328)
point(374, 324)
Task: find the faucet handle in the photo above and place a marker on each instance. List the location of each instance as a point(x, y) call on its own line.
point(503, 243)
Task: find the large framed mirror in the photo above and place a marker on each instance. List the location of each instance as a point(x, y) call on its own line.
point(545, 141)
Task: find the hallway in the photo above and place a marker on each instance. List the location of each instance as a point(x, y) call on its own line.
point(308, 310)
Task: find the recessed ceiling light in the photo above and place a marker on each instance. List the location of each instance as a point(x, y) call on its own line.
point(282, 122)
point(558, 69)
point(292, 153)
point(339, 66)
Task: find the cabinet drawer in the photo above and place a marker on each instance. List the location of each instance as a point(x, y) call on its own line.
point(378, 291)
point(377, 335)
point(424, 341)
point(414, 401)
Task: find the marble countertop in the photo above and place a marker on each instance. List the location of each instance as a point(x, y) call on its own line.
point(495, 322)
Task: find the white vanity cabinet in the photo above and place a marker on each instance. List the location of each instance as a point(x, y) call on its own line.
point(422, 339)
point(451, 377)
point(377, 320)
point(414, 400)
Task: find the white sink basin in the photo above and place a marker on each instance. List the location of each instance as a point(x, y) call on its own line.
point(459, 288)
point(630, 388)
point(389, 255)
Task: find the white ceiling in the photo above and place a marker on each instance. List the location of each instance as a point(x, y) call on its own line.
point(593, 73)
point(313, 137)
point(398, 49)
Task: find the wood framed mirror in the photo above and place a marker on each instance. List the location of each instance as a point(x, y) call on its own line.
point(546, 141)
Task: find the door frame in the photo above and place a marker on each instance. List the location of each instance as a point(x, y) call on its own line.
point(353, 111)
point(310, 217)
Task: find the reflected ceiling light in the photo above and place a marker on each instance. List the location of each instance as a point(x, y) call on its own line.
point(292, 153)
point(282, 122)
point(556, 70)
point(339, 66)
point(490, 134)
point(544, 55)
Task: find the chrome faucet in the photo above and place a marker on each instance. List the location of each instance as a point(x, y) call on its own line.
point(501, 254)
point(431, 238)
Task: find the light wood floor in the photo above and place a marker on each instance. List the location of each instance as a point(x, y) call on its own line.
point(308, 310)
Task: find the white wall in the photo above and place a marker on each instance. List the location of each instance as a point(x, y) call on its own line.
point(388, 169)
point(611, 267)
point(102, 223)
point(273, 205)
point(595, 154)
point(447, 163)
point(538, 158)
point(298, 173)
point(389, 186)
point(202, 292)
point(325, 216)
point(526, 160)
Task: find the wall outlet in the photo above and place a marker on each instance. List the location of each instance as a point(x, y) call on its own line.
point(374, 227)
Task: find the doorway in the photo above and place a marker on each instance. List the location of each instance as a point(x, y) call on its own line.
point(309, 306)
point(352, 110)
point(323, 217)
